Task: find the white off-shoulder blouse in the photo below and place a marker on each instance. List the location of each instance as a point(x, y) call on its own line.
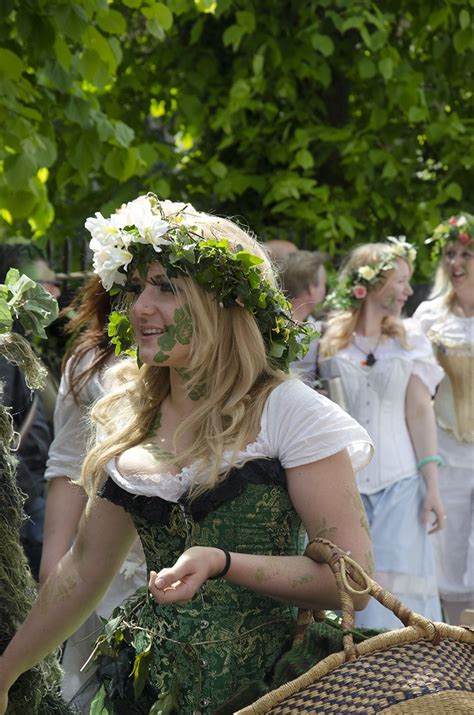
point(298, 426)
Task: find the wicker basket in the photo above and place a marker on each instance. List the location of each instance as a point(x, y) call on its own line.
point(423, 669)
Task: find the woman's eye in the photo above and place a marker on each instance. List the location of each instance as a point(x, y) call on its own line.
point(450, 254)
point(134, 288)
point(164, 286)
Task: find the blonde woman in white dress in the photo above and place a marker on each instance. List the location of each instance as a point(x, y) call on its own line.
point(389, 375)
point(447, 318)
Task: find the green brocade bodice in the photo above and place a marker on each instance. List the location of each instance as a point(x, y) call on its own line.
point(205, 651)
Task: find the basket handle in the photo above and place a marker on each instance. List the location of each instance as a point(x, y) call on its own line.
point(343, 567)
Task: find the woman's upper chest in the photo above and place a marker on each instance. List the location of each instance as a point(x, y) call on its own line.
point(387, 378)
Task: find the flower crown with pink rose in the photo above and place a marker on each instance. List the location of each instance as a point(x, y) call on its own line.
point(456, 228)
point(353, 288)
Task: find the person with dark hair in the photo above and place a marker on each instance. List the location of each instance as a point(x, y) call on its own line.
point(216, 456)
point(303, 280)
point(447, 318)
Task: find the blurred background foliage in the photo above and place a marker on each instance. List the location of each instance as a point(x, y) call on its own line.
point(333, 121)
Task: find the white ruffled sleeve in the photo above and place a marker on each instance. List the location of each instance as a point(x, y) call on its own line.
point(303, 427)
point(424, 364)
point(427, 314)
point(69, 446)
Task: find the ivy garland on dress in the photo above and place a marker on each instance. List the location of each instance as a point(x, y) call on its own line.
point(140, 233)
point(353, 288)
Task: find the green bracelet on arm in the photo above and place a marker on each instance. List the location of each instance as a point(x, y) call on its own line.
point(432, 458)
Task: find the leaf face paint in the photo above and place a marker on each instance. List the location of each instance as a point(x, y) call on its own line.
point(179, 332)
point(396, 290)
point(160, 319)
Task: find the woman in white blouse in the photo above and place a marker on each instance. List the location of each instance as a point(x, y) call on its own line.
point(447, 318)
point(389, 374)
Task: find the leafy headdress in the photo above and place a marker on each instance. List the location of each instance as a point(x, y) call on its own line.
point(352, 289)
point(456, 228)
point(146, 230)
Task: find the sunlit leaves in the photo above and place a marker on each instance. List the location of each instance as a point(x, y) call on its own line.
point(301, 117)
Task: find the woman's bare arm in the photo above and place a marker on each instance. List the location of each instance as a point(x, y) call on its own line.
point(69, 595)
point(65, 503)
point(421, 423)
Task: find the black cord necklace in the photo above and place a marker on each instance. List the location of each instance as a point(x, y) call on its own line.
point(370, 358)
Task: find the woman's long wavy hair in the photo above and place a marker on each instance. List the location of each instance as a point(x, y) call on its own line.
point(90, 310)
point(342, 324)
point(228, 356)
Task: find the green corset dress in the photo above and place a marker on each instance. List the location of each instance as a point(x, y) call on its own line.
point(205, 651)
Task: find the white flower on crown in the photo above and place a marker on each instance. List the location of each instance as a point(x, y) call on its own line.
point(367, 272)
point(110, 239)
point(401, 248)
point(139, 213)
point(107, 259)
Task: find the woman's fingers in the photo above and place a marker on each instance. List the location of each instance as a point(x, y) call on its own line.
point(165, 587)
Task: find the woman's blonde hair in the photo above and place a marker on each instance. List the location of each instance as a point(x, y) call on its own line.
point(341, 324)
point(442, 287)
point(228, 357)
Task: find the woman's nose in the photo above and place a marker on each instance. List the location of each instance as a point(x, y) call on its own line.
point(144, 305)
point(455, 260)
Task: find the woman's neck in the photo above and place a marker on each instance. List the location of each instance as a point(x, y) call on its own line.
point(465, 303)
point(369, 322)
point(178, 397)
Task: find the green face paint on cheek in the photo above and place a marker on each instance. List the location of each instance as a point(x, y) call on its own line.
point(180, 331)
point(183, 325)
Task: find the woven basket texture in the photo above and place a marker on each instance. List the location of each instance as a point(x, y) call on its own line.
point(394, 681)
point(425, 668)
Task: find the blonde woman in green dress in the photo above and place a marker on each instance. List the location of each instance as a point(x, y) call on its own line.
point(210, 451)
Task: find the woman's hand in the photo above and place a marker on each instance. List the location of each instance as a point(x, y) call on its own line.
point(432, 504)
point(180, 583)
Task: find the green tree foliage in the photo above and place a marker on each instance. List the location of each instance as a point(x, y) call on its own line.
point(344, 120)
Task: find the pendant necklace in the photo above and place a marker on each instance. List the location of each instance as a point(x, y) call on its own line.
point(370, 358)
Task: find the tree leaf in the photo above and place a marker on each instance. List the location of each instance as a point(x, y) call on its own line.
point(323, 44)
point(112, 22)
point(11, 66)
point(386, 68)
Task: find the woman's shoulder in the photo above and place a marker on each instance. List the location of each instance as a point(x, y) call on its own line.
point(419, 345)
point(293, 392)
point(79, 363)
point(303, 426)
point(430, 311)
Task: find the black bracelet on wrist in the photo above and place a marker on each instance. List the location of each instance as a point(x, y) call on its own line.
point(222, 573)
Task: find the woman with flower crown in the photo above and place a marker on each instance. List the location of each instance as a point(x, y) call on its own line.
point(447, 318)
point(217, 458)
point(388, 374)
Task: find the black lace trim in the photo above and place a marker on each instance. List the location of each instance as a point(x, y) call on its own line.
point(157, 511)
